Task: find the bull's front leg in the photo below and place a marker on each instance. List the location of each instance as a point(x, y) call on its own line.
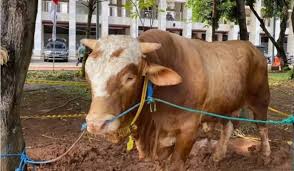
point(184, 143)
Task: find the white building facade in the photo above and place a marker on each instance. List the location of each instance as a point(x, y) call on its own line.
point(173, 16)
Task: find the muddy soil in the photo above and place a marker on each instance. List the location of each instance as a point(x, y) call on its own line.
point(48, 138)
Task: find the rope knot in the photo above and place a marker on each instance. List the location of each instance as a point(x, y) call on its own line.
point(150, 100)
point(84, 126)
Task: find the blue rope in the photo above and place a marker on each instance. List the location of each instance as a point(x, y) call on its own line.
point(289, 120)
point(150, 99)
point(24, 160)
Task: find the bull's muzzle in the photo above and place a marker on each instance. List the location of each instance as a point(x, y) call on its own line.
point(100, 124)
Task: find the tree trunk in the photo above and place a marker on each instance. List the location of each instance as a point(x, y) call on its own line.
point(88, 33)
point(241, 17)
point(280, 49)
point(17, 36)
point(214, 20)
point(283, 27)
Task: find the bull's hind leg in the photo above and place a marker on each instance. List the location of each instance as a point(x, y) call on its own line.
point(259, 106)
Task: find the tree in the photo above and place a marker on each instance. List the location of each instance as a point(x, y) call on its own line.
point(214, 19)
point(17, 36)
point(135, 6)
point(274, 8)
point(212, 11)
point(91, 5)
point(241, 19)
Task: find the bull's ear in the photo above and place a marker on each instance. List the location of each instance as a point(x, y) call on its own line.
point(162, 76)
point(149, 47)
point(90, 43)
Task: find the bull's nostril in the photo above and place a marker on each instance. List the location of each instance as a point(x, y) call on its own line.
point(104, 124)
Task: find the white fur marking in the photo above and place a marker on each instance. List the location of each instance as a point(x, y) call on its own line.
point(102, 68)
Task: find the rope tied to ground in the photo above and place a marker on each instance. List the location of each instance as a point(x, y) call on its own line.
point(25, 159)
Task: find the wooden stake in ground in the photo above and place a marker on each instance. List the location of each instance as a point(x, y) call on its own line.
point(17, 28)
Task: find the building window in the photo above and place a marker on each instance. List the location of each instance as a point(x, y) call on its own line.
point(225, 37)
point(59, 8)
point(215, 37)
point(264, 43)
point(268, 22)
point(203, 36)
point(46, 6)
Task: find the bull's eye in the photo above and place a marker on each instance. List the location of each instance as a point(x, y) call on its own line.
point(130, 78)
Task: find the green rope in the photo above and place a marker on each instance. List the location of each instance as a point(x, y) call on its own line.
point(289, 120)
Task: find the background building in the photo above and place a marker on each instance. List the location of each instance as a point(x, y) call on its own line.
point(115, 19)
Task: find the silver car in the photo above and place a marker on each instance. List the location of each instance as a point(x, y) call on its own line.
point(59, 53)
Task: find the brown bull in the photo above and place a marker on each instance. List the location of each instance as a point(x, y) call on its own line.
point(218, 77)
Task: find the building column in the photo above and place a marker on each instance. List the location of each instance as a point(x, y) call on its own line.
point(209, 34)
point(187, 31)
point(270, 44)
point(233, 33)
point(219, 37)
point(72, 28)
point(275, 34)
point(162, 15)
point(38, 38)
point(123, 9)
point(278, 28)
point(290, 44)
point(134, 28)
point(114, 8)
point(104, 18)
point(254, 36)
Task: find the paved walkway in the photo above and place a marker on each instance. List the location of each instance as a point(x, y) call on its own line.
point(40, 65)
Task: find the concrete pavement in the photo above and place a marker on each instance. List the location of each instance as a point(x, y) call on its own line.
point(39, 65)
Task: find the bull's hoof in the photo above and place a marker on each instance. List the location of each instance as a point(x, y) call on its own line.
point(217, 157)
point(3, 56)
point(177, 166)
point(263, 161)
point(163, 165)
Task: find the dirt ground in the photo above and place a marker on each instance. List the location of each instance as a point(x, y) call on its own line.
point(48, 138)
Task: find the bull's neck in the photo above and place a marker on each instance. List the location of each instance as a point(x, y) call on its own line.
point(187, 63)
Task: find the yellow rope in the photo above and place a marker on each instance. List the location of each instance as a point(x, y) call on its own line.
point(142, 102)
point(52, 116)
point(130, 144)
point(277, 111)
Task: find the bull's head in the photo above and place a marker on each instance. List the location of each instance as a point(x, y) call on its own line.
point(115, 70)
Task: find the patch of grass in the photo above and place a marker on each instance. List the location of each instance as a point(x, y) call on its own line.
point(279, 78)
point(283, 76)
point(84, 92)
point(54, 76)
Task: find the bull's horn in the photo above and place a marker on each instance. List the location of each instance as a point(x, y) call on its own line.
point(149, 47)
point(90, 43)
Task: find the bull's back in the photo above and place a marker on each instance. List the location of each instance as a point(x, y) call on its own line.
point(233, 69)
point(217, 75)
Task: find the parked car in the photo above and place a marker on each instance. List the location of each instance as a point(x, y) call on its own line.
point(60, 52)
